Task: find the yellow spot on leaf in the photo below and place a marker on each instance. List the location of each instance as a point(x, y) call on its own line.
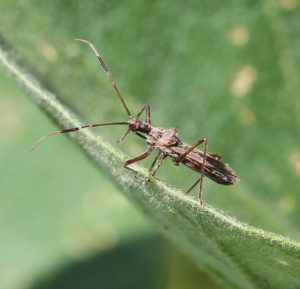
point(294, 162)
point(243, 81)
point(282, 262)
point(238, 35)
point(48, 51)
point(288, 4)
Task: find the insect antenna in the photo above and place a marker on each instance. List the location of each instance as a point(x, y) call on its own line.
point(107, 72)
point(75, 129)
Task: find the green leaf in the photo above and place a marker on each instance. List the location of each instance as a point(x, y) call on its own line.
point(240, 255)
point(228, 71)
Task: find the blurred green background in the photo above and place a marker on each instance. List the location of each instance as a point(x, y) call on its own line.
point(228, 71)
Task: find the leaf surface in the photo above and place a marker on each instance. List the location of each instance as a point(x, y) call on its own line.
point(240, 255)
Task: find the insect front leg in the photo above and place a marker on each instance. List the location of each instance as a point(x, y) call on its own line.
point(137, 159)
point(148, 117)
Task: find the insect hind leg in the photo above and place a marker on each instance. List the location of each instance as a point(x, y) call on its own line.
point(193, 186)
point(202, 140)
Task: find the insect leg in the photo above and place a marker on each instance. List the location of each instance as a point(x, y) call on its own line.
point(148, 118)
point(160, 160)
point(202, 140)
point(122, 139)
point(152, 165)
point(140, 135)
point(189, 150)
point(202, 170)
point(137, 159)
point(193, 186)
point(75, 129)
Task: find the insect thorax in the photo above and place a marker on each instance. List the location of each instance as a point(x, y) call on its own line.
point(159, 137)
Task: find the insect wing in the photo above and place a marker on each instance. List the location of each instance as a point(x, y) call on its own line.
point(214, 169)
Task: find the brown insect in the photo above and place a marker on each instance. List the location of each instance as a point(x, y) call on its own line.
point(167, 143)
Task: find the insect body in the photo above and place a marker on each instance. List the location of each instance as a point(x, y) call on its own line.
point(167, 143)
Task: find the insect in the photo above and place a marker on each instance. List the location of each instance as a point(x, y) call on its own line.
point(167, 143)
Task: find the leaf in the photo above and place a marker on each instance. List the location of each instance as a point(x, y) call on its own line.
point(239, 255)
